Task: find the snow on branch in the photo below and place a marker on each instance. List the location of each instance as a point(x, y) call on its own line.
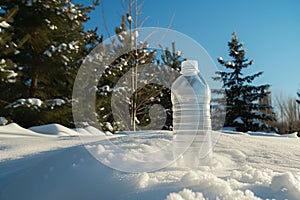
point(4, 24)
point(6, 74)
point(37, 103)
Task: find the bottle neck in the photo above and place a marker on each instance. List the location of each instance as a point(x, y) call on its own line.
point(189, 73)
point(189, 68)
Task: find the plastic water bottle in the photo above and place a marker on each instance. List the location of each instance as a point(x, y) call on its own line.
point(191, 116)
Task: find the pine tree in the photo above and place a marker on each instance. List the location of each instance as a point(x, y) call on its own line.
point(126, 37)
point(243, 109)
point(53, 45)
point(7, 71)
point(267, 100)
point(144, 96)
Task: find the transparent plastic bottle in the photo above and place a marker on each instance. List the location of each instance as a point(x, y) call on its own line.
point(191, 116)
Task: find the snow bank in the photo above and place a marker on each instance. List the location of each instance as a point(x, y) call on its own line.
point(231, 130)
point(17, 142)
point(286, 186)
point(94, 131)
point(54, 129)
point(291, 135)
point(243, 166)
point(271, 134)
point(14, 130)
point(82, 131)
point(90, 131)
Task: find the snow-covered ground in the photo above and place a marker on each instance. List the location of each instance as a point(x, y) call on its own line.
point(50, 162)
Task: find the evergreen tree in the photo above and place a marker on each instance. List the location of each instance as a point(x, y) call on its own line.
point(53, 43)
point(243, 110)
point(106, 85)
point(7, 71)
point(141, 97)
point(267, 100)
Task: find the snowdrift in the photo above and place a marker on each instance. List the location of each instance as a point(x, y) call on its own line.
point(243, 166)
point(54, 129)
point(94, 131)
point(14, 130)
point(60, 130)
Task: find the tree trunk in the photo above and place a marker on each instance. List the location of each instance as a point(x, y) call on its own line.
point(33, 86)
point(35, 74)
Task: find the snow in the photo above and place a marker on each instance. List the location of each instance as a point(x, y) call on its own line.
point(179, 53)
point(54, 102)
point(129, 18)
point(49, 162)
point(136, 34)
point(14, 130)
point(52, 27)
point(48, 53)
point(4, 24)
point(54, 129)
point(60, 130)
point(16, 52)
point(230, 64)
point(82, 131)
point(27, 102)
point(286, 182)
point(108, 126)
point(72, 46)
point(59, 102)
point(93, 130)
point(36, 103)
point(185, 194)
point(239, 120)
point(17, 142)
point(8, 73)
point(3, 121)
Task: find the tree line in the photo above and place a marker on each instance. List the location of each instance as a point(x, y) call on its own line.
point(44, 43)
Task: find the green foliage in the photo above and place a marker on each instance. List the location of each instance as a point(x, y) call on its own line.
point(48, 45)
point(29, 116)
point(141, 97)
point(51, 43)
point(244, 110)
point(7, 69)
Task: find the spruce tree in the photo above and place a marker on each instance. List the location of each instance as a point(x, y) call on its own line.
point(144, 96)
point(106, 85)
point(53, 45)
point(243, 109)
point(7, 69)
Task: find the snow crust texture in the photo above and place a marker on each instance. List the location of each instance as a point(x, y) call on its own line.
point(49, 162)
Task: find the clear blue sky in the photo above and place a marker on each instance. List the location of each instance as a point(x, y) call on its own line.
point(270, 30)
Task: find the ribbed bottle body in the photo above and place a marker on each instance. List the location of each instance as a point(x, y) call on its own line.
point(191, 119)
point(190, 104)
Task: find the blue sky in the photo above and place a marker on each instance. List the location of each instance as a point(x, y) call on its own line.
point(270, 30)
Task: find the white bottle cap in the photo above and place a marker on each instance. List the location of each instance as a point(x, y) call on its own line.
point(189, 67)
